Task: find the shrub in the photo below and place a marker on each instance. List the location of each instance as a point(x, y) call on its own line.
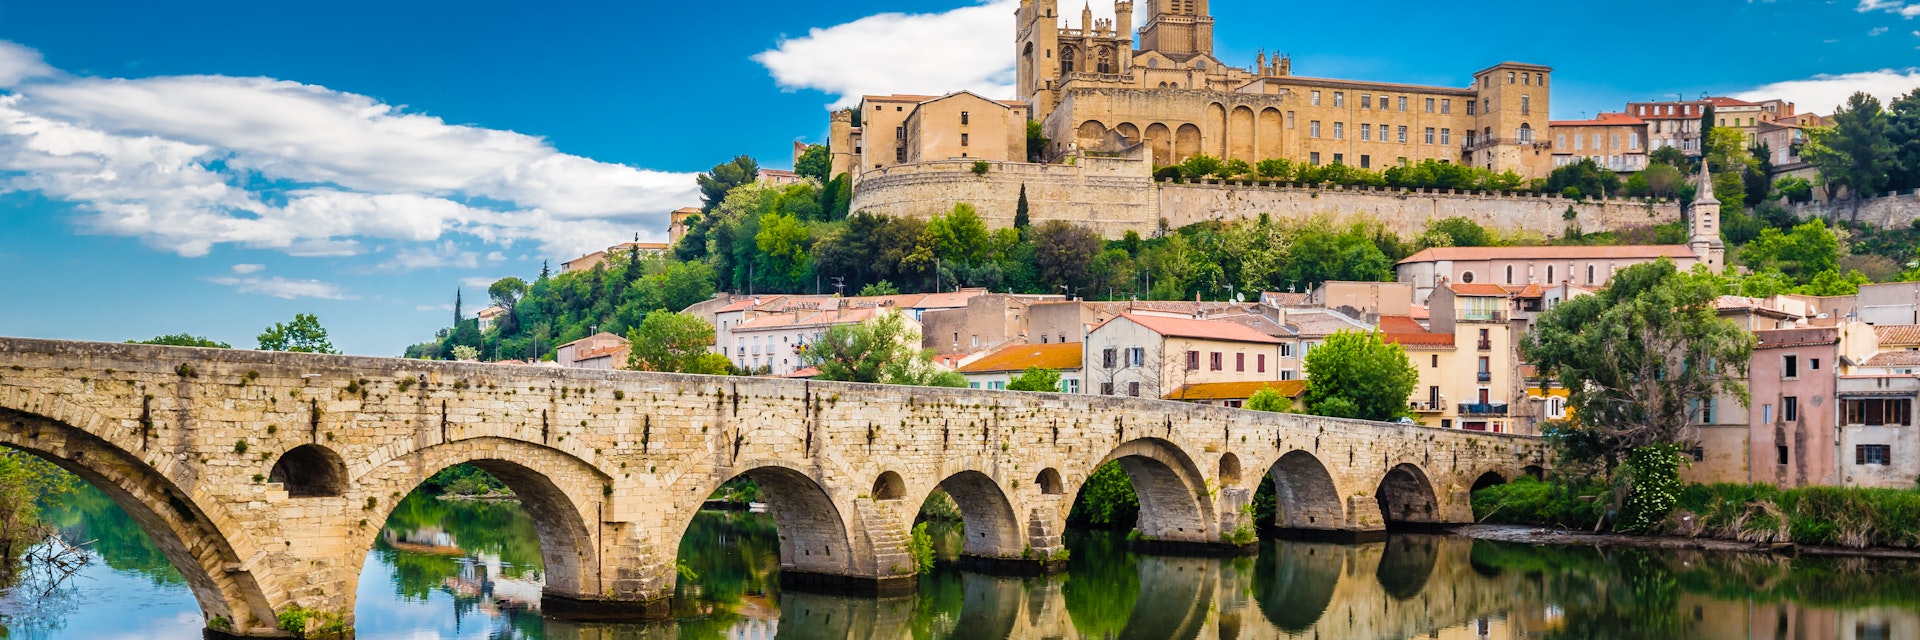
point(1531, 501)
point(980, 167)
point(921, 548)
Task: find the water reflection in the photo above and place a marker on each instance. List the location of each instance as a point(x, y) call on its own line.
point(451, 569)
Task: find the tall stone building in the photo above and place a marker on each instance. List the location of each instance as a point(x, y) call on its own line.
point(1095, 92)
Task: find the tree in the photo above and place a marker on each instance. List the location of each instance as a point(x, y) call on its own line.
point(723, 178)
point(1036, 379)
point(1855, 152)
point(1356, 375)
point(303, 335)
point(506, 292)
point(1270, 400)
point(1726, 151)
point(457, 314)
point(184, 340)
point(1582, 180)
point(814, 163)
point(1809, 249)
point(1666, 347)
point(881, 288)
point(1794, 188)
point(1020, 213)
point(674, 343)
point(1036, 142)
point(1459, 232)
point(883, 350)
point(1063, 253)
point(1903, 132)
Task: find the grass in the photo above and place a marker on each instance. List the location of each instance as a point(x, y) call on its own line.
point(1851, 517)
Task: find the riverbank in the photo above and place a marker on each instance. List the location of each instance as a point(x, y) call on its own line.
point(1567, 537)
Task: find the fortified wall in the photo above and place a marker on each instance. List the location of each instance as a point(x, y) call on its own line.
point(1890, 211)
point(1114, 195)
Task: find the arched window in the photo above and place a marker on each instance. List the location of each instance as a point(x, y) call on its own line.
point(1105, 64)
point(310, 471)
point(1509, 274)
point(1067, 54)
point(1589, 274)
point(1175, 85)
point(1526, 133)
point(1049, 482)
point(1550, 277)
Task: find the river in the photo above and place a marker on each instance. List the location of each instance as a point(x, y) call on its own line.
point(460, 569)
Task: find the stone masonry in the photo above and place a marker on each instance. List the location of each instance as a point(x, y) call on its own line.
point(265, 477)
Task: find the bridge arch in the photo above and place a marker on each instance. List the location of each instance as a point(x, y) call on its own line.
point(991, 527)
point(186, 532)
point(1406, 495)
point(1488, 479)
point(310, 471)
point(816, 542)
point(560, 492)
point(889, 486)
point(1305, 496)
point(1174, 502)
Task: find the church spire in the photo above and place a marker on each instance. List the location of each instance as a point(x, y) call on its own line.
point(1705, 189)
point(1707, 246)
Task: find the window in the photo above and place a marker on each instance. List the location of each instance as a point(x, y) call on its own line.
point(1436, 361)
point(1313, 129)
point(1240, 362)
point(1106, 388)
point(1596, 142)
point(1136, 357)
point(1877, 412)
point(1780, 454)
point(1366, 162)
point(1214, 361)
point(1287, 374)
point(1070, 385)
point(1429, 135)
point(1446, 136)
point(1790, 368)
point(1766, 414)
point(1879, 454)
point(1525, 135)
point(963, 118)
point(1366, 132)
point(1403, 134)
point(1790, 409)
point(1109, 358)
point(963, 139)
point(1339, 99)
point(1133, 389)
point(1339, 158)
point(1314, 158)
point(1813, 364)
point(1339, 130)
point(1366, 101)
point(1633, 141)
point(1560, 142)
point(973, 385)
point(1550, 278)
point(1509, 274)
point(1193, 360)
point(1446, 106)
point(1429, 105)
point(1470, 104)
point(1509, 77)
point(1699, 454)
point(1589, 274)
point(1556, 408)
point(1403, 104)
point(1260, 363)
point(1579, 143)
point(997, 386)
point(1526, 105)
point(1706, 411)
point(1315, 98)
point(1466, 277)
point(1289, 119)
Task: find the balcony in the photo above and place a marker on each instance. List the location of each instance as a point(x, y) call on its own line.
point(1486, 409)
point(1427, 407)
point(1489, 317)
point(1486, 376)
point(1486, 345)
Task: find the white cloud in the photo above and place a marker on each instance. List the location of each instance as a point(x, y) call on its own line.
point(18, 64)
point(285, 289)
point(926, 53)
point(433, 307)
point(481, 282)
point(1890, 6)
point(171, 160)
point(1822, 93)
point(1878, 31)
point(244, 269)
point(445, 254)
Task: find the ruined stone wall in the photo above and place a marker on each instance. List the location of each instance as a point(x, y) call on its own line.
point(1117, 195)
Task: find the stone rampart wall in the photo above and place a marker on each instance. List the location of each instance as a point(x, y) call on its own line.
point(1893, 211)
point(1117, 195)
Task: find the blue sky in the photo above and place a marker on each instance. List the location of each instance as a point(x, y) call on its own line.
point(216, 167)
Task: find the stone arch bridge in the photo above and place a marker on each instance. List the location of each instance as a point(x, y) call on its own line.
point(266, 477)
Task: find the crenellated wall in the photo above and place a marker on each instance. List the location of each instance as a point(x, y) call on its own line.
point(1890, 211)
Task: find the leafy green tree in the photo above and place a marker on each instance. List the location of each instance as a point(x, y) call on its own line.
point(1270, 400)
point(1666, 349)
point(184, 340)
point(881, 288)
point(1278, 169)
point(1832, 283)
point(1673, 157)
point(1794, 188)
point(837, 197)
point(1726, 151)
point(1200, 166)
point(1582, 180)
point(1356, 375)
point(814, 163)
point(303, 335)
point(1036, 379)
point(1235, 168)
point(881, 350)
point(1319, 254)
point(1036, 142)
point(1903, 132)
point(1459, 232)
point(717, 182)
point(1808, 249)
point(1063, 253)
point(1855, 152)
point(674, 343)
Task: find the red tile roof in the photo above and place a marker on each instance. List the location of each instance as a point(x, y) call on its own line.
point(1782, 338)
point(1729, 102)
point(1237, 390)
point(1203, 329)
point(1898, 334)
point(1019, 357)
point(1400, 324)
point(1481, 289)
point(1895, 359)
point(1551, 253)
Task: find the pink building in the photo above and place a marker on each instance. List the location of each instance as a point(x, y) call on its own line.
point(1795, 436)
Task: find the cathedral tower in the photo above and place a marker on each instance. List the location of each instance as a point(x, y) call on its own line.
point(1180, 29)
point(1036, 50)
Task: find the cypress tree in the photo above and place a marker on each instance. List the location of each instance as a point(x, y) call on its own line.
point(1020, 219)
point(456, 308)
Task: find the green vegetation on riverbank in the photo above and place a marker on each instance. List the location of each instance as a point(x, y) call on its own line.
point(1848, 517)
